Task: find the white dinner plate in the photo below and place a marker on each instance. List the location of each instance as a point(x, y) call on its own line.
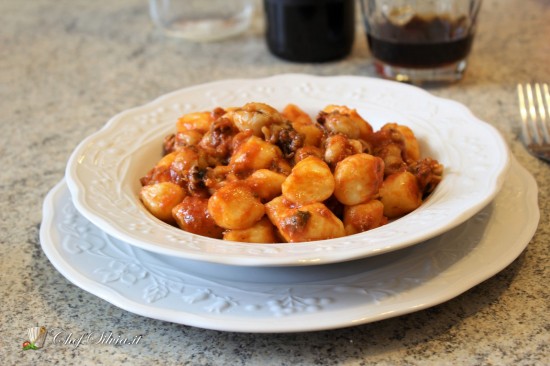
point(291, 299)
point(103, 172)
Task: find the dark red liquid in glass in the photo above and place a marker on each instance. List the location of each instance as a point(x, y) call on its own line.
point(421, 42)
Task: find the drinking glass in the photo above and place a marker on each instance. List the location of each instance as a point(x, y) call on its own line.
point(201, 20)
point(420, 41)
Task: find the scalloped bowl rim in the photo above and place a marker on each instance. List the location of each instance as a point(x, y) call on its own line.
point(102, 173)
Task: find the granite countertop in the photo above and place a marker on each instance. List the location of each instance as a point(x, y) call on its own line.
point(67, 66)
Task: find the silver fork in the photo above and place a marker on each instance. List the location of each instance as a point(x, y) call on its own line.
point(534, 107)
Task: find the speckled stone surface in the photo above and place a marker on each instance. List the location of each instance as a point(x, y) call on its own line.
point(67, 66)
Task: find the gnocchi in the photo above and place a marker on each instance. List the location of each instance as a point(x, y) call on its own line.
point(192, 215)
point(310, 181)
point(358, 178)
point(256, 174)
point(235, 206)
point(298, 223)
point(161, 198)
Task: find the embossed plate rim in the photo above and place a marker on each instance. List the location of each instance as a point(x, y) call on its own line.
point(409, 280)
point(473, 152)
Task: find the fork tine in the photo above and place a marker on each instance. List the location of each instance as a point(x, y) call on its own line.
point(543, 98)
point(531, 107)
point(534, 108)
point(525, 134)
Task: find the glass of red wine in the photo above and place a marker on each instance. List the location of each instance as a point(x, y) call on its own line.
point(420, 41)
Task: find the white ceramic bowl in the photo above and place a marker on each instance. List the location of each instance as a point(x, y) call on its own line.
point(104, 170)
